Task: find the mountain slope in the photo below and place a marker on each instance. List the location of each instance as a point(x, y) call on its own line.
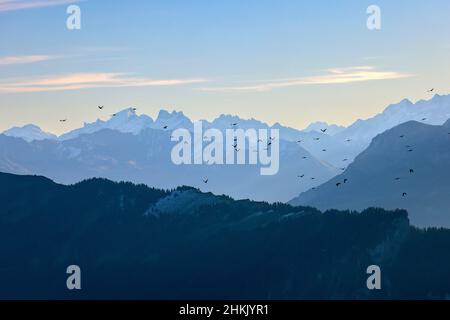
point(381, 174)
point(218, 249)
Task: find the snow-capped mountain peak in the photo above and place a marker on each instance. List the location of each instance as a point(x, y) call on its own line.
point(126, 121)
point(29, 132)
point(171, 120)
point(435, 111)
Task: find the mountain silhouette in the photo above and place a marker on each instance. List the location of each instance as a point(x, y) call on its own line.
point(405, 167)
point(136, 242)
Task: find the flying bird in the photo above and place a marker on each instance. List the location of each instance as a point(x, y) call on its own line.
point(114, 114)
point(345, 180)
point(338, 184)
point(317, 139)
point(411, 170)
point(205, 180)
point(431, 90)
point(348, 140)
point(165, 127)
point(424, 119)
point(301, 176)
point(101, 107)
point(402, 136)
point(323, 130)
point(63, 120)
point(396, 179)
point(345, 159)
point(404, 194)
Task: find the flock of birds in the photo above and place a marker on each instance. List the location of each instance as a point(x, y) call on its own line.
point(269, 143)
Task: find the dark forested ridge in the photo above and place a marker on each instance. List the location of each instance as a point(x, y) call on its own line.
point(132, 241)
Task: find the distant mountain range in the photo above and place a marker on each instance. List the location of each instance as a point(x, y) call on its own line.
point(146, 158)
point(136, 242)
point(405, 167)
point(132, 147)
point(339, 142)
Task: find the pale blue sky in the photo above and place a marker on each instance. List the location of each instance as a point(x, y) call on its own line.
point(277, 61)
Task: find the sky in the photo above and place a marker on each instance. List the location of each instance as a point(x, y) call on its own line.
point(287, 61)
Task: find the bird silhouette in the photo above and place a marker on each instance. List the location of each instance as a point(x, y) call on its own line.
point(313, 178)
point(205, 180)
point(404, 194)
point(411, 170)
point(317, 139)
point(300, 141)
point(402, 136)
point(165, 127)
point(324, 150)
point(424, 119)
point(301, 176)
point(345, 180)
point(101, 107)
point(348, 140)
point(305, 158)
point(345, 159)
point(338, 184)
point(396, 179)
point(431, 90)
point(114, 114)
point(323, 130)
point(63, 120)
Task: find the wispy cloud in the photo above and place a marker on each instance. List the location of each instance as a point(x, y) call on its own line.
point(79, 81)
point(24, 59)
point(332, 76)
point(13, 5)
